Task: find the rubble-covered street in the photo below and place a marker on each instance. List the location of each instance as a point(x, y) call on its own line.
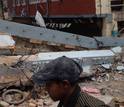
point(105, 82)
point(17, 91)
point(35, 32)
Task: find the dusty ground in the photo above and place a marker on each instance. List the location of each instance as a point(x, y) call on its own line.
point(113, 88)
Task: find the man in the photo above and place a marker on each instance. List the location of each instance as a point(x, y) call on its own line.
point(61, 78)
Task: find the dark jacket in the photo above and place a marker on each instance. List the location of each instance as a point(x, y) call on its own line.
point(80, 99)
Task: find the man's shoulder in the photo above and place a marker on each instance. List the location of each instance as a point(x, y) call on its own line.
point(86, 100)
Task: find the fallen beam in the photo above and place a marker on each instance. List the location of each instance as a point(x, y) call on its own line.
point(54, 36)
point(86, 57)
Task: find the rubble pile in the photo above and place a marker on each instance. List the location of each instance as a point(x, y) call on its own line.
point(16, 87)
point(104, 81)
point(18, 98)
point(17, 90)
point(106, 85)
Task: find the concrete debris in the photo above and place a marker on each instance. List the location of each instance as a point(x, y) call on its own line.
point(41, 103)
point(117, 49)
point(18, 98)
point(13, 77)
point(87, 57)
point(10, 60)
point(6, 41)
point(106, 66)
point(12, 65)
point(47, 56)
point(120, 68)
point(99, 66)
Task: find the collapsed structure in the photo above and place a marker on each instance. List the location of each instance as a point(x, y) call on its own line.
point(16, 71)
point(99, 65)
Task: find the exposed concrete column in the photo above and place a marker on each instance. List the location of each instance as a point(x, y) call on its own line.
point(107, 26)
point(107, 20)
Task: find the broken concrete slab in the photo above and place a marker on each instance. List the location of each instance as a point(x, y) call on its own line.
point(6, 41)
point(13, 76)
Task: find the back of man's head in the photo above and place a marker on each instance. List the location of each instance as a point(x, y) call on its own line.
point(60, 69)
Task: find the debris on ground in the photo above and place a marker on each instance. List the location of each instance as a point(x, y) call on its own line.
point(100, 79)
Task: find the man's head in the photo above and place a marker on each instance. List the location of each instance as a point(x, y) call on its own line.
point(59, 75)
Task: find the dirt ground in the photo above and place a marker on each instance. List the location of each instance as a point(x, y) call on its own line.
point(114, 88)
